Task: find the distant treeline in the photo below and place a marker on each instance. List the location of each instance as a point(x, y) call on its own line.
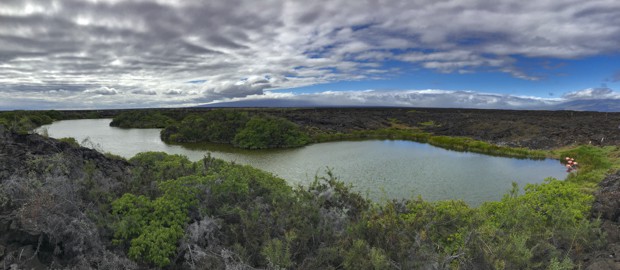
point(25, 121)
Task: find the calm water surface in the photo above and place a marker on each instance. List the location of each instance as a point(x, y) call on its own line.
point(381, 169)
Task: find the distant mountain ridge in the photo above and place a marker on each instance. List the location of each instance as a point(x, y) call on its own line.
point(598, 105)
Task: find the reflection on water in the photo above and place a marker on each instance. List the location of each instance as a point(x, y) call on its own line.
point(382, 169)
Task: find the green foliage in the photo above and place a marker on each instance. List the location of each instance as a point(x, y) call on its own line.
point(141, 119)
point(270, 132)
point(159, 166)
point(362, 256)
point(277, 253)
point(71, 141)
point(434, 232)
point(25, 121)
point(153, 227)
point(237, 128)
point(219, 126)
point(565, 264)
point(531, 230)
point(4, 122)
point(429, 123)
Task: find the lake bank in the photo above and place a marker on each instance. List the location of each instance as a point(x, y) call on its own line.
point(382, 169)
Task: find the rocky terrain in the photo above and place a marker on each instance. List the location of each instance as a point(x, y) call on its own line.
point(531, 129)
point(607, 207)
point(52, 202)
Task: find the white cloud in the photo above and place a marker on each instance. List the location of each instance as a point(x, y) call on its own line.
point(173, 92)
point(106, 91)
point(592, 93)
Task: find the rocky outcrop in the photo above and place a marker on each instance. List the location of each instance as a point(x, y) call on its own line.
point(607, 202)
point(606, 207)
point(52, 204)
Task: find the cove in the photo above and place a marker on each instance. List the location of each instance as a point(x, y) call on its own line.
point(380, 169)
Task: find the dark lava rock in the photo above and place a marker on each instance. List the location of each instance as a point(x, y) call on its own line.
point(531, 129)
point(607, 207)
point(607, 202)
point(47, 202)
point(17, 150)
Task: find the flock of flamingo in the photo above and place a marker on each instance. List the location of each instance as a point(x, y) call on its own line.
point(571, 164)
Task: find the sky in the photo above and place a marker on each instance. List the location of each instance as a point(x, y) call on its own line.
point(97, 54)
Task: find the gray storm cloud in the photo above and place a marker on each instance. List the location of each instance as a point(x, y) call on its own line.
point(135, 52)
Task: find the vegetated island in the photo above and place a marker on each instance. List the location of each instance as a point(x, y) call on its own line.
point(65, 206)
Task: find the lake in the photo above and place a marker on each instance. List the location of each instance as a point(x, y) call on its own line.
point(379, 169)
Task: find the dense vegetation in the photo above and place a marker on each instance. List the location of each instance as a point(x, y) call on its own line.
point(217, 126)
point(236, 128)
point(141, 119)
point(270, 132)
point(26, 121)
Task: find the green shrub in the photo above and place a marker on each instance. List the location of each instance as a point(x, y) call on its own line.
point(26, 121)
point(159, 166)
point(533, 229)
point(270, 132)
point(219, 126)
point(153, 227)
point(4, 122)
point(277, 253)
point(141, 119)
point(362, 256)
point(71, 141)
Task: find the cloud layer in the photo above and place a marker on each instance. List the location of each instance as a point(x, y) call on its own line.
point(406, 98)
point(141, 53)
